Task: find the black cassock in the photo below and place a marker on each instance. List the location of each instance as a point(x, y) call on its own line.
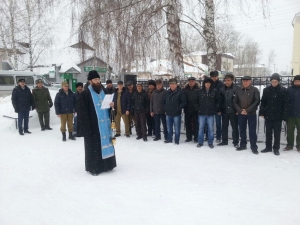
point(88, 128)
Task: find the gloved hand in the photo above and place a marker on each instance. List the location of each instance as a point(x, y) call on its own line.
point(50, 105)
point(16, 110)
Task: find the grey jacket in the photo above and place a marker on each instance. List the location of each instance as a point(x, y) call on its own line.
point(246, 98)
point(156, 101)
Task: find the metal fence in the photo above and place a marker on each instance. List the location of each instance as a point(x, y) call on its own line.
point(286, 81)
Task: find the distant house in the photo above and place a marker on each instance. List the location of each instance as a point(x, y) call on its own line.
point(258, 70)
point(224, 60)
point(100, 66)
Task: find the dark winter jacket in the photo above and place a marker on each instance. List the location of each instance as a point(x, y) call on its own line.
point(292, 108)
point(191, 98)
point(174, 102)
point(22, 99)
point(42, 99)
point(273, 102)
point(125, 100)
point(109, 90)
point(149, 93)
point(65, 103)
point(140, 102)
point(157, 101)
point(246, 98)
point(207, 103)
point(227, 95)
point(218, 84)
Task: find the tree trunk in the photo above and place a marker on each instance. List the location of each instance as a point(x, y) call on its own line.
point(5, 45)
point(12, 26)
point(209, 34)
point(30, 52)
point(174, 38)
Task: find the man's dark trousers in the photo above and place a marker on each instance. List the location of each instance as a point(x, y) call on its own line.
point(44, 116)
point(191, 126)
point(232, 117)
point(157, 119)
point(23, 116)
point(252, 120)
point(273, 125)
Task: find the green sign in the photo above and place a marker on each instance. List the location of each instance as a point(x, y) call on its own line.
point(66, 75)
point(98, 69)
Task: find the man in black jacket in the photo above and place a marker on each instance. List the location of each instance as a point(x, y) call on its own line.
point(157, 110)
point(109, 88)
point(271, 108)
point(246, 101)
point(79, 89)
point(190, 114)
point(292, 114)
point(65, 107)
point(217, 84)
point(174, 102)
point(23, 102)
point(207, 105)
point(227, 93)
point(150, 119)
point(140, 106)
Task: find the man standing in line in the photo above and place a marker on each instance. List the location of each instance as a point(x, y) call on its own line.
point(79, 89)
point(227, 93)
point(214, 75)
point(140, 106)
point(150, 119)
point(65, 105)
point(271, 109)
point(292, 114)
point(23, 102)
point(207, 105)
point(109, 88)
point(94, 126)
point(157, 110)
point(122, 105)
point(190, 114)
point(246, 101)
point(43, 103)
point(131, 89)
point(174, 102)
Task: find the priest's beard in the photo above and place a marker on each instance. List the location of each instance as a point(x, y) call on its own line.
point(96, 87)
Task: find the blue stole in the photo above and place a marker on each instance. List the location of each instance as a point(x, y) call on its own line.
point(105, 131)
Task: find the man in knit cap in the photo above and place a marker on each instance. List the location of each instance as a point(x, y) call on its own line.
point(271, 109)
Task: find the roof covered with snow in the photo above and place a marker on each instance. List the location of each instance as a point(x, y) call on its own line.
point(65, 67)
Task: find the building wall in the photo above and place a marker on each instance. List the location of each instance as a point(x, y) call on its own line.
point(296, 46)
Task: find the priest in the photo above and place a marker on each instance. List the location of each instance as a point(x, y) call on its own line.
point(94, 126)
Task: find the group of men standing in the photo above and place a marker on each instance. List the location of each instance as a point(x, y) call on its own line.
point(149, 109)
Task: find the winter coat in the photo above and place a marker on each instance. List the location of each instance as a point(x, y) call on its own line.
point(191, 98)
point(218, 84)
point(273, 102)
point(109, 90)
point(149, 93)
point(157, 101)
point(125, 100)
point(22, 99)
point(174, 102)
point(65, 103)
point(42, 99)
point(246, 98)
point(207, 103)
point(292, 108)
point(140, 102)
point(227, 95)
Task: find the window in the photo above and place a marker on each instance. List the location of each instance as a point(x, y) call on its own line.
point(28, 80)
point(7, 80)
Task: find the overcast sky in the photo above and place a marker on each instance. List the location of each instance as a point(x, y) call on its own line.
point(274, 32)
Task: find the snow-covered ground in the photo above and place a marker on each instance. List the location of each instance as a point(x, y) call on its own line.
point(43, 182)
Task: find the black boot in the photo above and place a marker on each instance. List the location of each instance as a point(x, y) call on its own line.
point(266, 150)
point(64, 136)
point(71, 137)
point(276, 152)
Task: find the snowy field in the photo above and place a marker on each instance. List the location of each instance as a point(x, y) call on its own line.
point(43, 182)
